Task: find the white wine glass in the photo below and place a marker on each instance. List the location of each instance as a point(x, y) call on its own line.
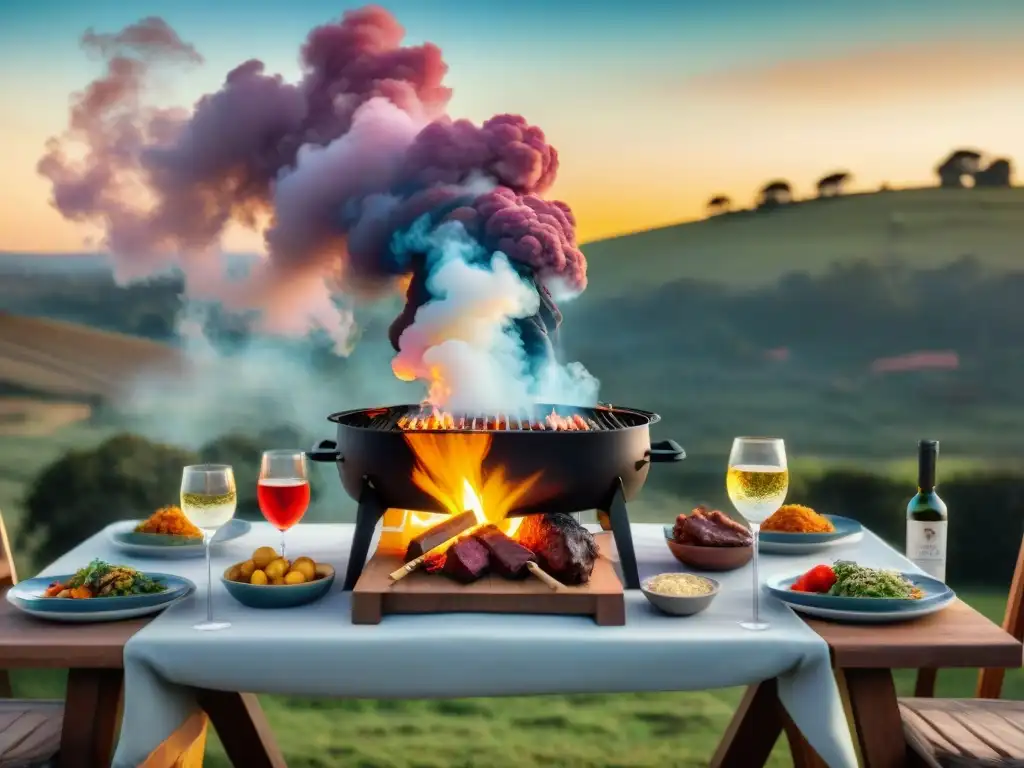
point(209, 499)
point(757, 482)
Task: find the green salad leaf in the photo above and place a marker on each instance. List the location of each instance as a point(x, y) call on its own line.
point(854, 580)
point(106, 580)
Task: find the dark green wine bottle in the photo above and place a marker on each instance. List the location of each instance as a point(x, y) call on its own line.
point(927, 519)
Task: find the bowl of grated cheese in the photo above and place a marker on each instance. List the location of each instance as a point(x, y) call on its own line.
point(680, 594)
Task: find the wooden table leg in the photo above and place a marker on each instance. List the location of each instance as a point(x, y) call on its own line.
point(876, 717)
point(924, 686)
point(753, 731)
point(243, 728)
point(91, 713)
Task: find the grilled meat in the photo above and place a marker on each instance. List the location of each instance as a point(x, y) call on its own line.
point(466, 560)
point(508, 558)
point(564, 548)
point(710, 529)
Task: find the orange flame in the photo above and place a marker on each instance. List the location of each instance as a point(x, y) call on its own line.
point(450, 468)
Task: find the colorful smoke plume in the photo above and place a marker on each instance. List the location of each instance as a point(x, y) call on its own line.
point(361, 184)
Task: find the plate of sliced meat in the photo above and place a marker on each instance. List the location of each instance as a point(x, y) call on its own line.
point(710, 540)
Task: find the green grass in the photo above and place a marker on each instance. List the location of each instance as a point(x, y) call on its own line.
point(665, 730)
point(746, 249)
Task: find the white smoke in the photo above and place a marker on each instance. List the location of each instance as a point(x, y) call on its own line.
point(464, 340)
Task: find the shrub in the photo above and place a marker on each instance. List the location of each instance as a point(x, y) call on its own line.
point(83, 491)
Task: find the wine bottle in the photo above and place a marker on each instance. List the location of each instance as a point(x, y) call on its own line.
point(927, 519)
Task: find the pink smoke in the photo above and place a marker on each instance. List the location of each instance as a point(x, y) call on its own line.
point(329, 168)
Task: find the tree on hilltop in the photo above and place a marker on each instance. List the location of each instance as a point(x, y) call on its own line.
point(83, 491)
point(999, 173)
point(719, 204)
point(833, 184)
point(958, 170)
point(775, 193)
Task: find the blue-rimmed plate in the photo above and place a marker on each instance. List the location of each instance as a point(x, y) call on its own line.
point(934, 591)
point(847, 531)
point(124, 537)
point(27, 596)
point(873, 617)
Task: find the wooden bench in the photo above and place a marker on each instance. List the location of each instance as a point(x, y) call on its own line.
point(983, 732)
point(30, 730)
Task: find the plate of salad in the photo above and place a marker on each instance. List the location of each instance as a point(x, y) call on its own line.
point(849, 587)
point(98, 592)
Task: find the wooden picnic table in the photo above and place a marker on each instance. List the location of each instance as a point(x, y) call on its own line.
point(93, 654)
point(863, 657)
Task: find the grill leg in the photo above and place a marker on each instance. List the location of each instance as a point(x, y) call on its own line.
point(618, 516)
point(370, 511)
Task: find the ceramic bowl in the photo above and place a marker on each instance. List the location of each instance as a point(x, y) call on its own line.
point(678, 605)
point(709, 558)
point(281, 595)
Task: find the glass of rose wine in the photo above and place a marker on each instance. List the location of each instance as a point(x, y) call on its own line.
point(208, 500)
point(757, 482)
point(283, 489)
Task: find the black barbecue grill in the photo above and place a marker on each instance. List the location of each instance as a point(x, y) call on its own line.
point(588, 458)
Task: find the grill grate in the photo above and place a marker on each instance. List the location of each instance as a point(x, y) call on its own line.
point(410, 418)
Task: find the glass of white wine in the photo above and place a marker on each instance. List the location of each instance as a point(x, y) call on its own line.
point(208, 499)
point(757, 482)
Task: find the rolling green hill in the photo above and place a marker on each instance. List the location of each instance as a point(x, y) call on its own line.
point(926, 227)
point(61, 359)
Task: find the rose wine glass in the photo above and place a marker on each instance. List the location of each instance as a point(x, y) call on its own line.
point(757, 482)
point(283, 489)
point(208, 500)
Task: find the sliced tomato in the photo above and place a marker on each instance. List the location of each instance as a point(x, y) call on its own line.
point(820, 578)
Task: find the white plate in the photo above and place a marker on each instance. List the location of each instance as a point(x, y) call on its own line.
point(870, 617)
point(787, 548)
point(235, 528)
point(96, 617)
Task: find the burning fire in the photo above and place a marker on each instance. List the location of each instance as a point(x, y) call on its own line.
point(450, 468)
point(435, 419)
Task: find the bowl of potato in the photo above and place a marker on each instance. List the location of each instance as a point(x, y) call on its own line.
point(267, 580)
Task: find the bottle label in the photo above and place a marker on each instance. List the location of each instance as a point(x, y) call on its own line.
point(926, 547)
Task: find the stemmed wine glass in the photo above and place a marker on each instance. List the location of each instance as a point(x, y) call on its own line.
point(757, 482)
point(208, 499)
point(283, 489)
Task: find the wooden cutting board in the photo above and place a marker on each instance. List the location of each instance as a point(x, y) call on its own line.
point(375, 595)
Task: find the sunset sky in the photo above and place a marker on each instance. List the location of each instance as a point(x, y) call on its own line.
point(654, 105)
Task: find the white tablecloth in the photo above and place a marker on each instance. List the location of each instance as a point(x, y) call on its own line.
point(316, 651)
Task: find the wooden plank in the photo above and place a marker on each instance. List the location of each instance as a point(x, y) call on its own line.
point(958, 636)
point(375, 595)
point(243, 728)
point(30, 732)
point(974, 728)
point(923, 734)
point(26, 642)
point(876, 717)
point(753, 730)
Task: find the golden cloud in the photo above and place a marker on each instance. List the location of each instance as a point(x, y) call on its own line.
point(907, 71)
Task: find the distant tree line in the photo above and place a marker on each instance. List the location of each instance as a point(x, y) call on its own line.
point(963, 168)
point(842, 319)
